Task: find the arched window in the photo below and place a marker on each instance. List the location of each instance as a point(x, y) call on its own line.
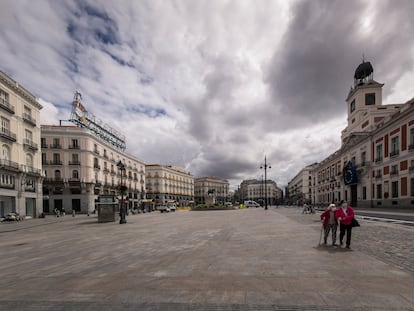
point(57, 174)
point(75, 174)
point(29, 160)
point(5, 152)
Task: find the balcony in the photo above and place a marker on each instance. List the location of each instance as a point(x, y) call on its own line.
point(4, 104)
point(7, 186)
point(74, 147)
point(55, 146)
point(378, 160)
point(96, 151)
point(43, 146)
point(378, 175)
point(411, 147)
point(30, 144)
point(97, 166)
point(7, 164)
point(394, 153)
point(29, 119)
point(55, 180)
point(411, 168)
point(394, 173)
point(30, 170)
point(106, 170)
point(7, 134)
point(74, 163)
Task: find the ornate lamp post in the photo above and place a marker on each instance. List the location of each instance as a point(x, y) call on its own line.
point(265, 166)
point(122, 211)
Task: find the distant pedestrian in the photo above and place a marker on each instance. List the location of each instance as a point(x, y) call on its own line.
point(63, 211)
point(305, 208)
point(73, 212)
point(329, 223)
point(344, 214)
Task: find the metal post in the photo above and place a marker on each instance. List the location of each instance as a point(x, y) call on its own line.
point(265, 166)
point(122, 219)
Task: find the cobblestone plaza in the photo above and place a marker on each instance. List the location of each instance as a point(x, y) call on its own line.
point(248, 259)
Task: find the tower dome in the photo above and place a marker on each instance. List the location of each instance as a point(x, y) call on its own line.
point(363, 73)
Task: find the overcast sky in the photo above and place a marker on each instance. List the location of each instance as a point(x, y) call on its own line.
point(210, 86)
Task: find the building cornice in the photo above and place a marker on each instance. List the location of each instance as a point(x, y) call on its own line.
point(17, 88)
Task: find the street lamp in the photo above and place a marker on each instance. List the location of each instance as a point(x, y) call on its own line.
point(265, 166)
point(122, 211)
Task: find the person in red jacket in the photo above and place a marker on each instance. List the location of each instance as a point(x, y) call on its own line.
point(329, 223)
point(344, 214)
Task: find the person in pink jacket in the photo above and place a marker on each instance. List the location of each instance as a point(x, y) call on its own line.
point(344, 214)
point(329, 223)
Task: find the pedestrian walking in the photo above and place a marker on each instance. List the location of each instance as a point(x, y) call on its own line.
point(344, 214)
point(329, 223)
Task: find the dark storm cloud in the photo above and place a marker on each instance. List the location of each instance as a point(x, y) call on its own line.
point(310, 76)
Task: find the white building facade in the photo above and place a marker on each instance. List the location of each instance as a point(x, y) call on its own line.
point(211, 190)
point(20, 157)
point(169, 183)
point(79, 166)
point(300, 189)
point(259, 191)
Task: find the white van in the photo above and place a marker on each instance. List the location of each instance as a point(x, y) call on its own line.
point(251, 204)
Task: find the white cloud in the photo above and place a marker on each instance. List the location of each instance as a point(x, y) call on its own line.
point(212, 86)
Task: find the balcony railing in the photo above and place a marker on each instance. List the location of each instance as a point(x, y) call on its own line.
point(52, 162)
point(6, 106)
point(9, 164)
point(30, 144)
point(55, 146)
point(6, 133)
point(29, 119)
point(53, 180)
point(377, 160)
point(394, 153)
point(411, 168)
point(74, 163)
point(411, 147)
point(74, 147)
point(378, 175)
point(97, 166)
point(394, 172)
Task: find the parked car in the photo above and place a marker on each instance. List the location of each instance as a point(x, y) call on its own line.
point(250, 203)
point(172, 206)
point(162, 208)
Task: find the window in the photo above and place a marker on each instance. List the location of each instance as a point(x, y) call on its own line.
point(29, 160)
point(394, 169)
point(363, 158)
point(370, 99)
point(75, 143)
point(56, 142)
point(352, 106)
point(394, 189)
point(4, 97)
point(395, 146)
point(28, 135)
point(43, 142)
point(379, 153)
point(5, 152)
point(379, 191)
point(5, 126)
point(75, 158)
point(27, 113)
point(364, 193)
point(412, 187)
point(75, 174)
point(412, 138)
point(57, 174)
point(56, 158)
point(43, 158)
